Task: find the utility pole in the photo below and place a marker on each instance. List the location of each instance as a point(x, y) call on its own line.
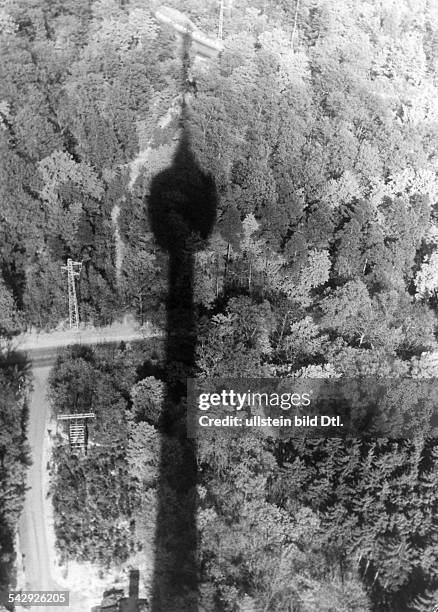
point(73, 270)
point(221, 21)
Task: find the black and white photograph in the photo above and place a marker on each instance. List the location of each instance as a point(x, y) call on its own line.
point(219, 305)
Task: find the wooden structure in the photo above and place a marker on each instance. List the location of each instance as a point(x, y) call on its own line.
point(77, 430)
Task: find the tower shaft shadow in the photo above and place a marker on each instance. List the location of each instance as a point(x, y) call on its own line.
point(182, 209)
point(175, 567)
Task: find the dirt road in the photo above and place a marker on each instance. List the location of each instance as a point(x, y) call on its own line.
point(30, 342)
point(33, 524)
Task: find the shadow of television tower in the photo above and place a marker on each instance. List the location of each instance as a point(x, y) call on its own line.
point(182, 212)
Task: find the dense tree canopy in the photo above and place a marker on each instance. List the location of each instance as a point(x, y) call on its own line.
point(14, 459)
point(318, 123)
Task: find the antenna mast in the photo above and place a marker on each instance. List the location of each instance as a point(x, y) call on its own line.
point(73, 270)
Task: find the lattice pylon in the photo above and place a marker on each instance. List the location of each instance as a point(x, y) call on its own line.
point(73, 269)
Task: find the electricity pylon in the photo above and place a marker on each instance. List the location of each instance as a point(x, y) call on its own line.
point(73, 270)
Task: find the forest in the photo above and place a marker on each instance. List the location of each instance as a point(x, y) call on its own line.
point(318, 124)
point(14, 460)
point(97, 498)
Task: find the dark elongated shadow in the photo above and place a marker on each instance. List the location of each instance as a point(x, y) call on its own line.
point(182, 211)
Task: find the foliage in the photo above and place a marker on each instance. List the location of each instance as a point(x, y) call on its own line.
point(318, 125)
point(14, 460)
point(96, 497)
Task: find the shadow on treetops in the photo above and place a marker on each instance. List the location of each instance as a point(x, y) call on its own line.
point(182, 213)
